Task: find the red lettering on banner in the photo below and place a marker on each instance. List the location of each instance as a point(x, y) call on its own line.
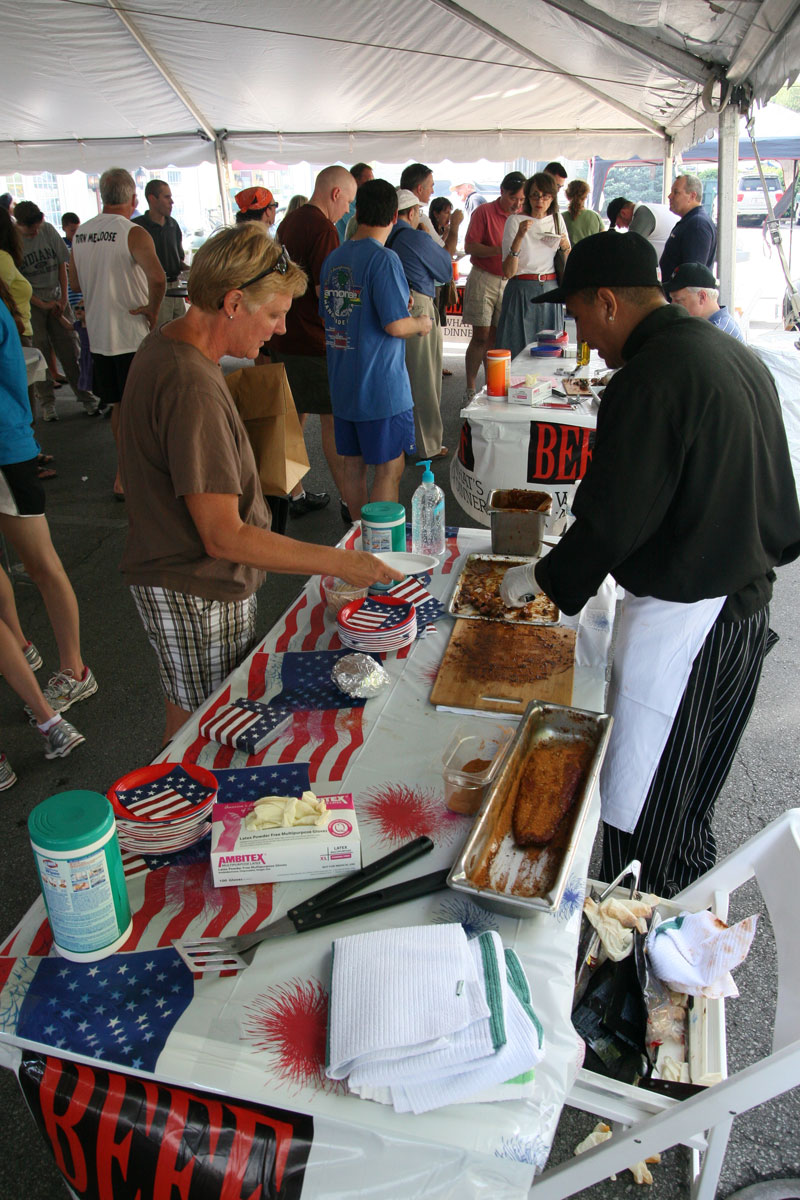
point(247, 1122)
point(64, 1123)
point(566, 453)
point(109, 1150)
point(545, 443)
point(586, 452)
point(167, 1176)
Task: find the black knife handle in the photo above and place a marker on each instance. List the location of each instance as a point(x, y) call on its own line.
point(355, 880)
point(371, 901)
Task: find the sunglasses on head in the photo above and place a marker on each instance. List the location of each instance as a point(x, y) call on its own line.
point(280, 267)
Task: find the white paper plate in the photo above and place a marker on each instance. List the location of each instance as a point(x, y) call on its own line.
point(412, 564)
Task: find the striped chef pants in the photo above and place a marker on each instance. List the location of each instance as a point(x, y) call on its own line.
point(673, 838)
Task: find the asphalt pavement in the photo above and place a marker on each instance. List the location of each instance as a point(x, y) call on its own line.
point(123, 723)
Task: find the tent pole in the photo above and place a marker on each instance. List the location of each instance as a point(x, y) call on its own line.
point(221, 159)
point(727, 180)
point(669, 167)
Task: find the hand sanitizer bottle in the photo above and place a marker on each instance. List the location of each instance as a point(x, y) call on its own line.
point(427, 514)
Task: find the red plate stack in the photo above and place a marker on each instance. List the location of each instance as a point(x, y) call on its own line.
point(163, 808)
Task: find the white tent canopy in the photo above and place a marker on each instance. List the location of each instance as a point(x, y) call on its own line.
point(88, 83)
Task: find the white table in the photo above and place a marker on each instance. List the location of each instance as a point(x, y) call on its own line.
point(387, 754)
point(505, 445)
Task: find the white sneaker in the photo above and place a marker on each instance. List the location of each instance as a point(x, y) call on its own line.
point(49, 412)
point(64, 690)
point(61, 739)
point(7, 776)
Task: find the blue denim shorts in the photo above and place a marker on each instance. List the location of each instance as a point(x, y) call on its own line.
point(378, 441)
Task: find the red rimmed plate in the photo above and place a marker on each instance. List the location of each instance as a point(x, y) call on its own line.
point(150, 798)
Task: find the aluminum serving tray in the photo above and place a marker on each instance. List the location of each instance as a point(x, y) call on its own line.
point(471, 614)
point(547, 868)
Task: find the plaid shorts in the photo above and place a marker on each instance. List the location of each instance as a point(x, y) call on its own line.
point(197, 642)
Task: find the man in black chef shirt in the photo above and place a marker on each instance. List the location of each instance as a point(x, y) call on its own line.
point(689, 503)
point(166, 233)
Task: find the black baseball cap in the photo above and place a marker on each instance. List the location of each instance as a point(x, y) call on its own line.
point(606, 260)
point(615, 208)
point(690, 274)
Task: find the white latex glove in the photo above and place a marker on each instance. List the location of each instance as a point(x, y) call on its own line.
point(519, 586)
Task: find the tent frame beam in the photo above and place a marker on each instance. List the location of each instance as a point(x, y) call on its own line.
point(492, 31)
point(651, 47)
point(768, 26)
point(205, 127)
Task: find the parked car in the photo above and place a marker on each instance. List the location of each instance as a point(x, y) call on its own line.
point(751, 205)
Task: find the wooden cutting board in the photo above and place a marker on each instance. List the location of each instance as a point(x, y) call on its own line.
point(497, 667)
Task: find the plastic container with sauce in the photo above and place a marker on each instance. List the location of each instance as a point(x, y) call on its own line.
point(471, 761)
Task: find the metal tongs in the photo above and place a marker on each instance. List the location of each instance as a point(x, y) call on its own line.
point(589, 943)
point(204, 955)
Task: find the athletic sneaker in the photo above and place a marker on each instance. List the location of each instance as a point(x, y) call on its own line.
point(90, 403)
point(61, 739)
point(63, 689)
point(7, 776)
point(49, 412)
point(33, 656)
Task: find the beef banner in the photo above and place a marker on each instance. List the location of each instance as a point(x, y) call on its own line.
point(546, 454)
point(120, 1137)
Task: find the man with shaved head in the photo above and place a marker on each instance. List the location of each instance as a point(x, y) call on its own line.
point(309, 234)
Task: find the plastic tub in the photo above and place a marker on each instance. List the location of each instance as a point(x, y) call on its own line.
point(338, 592)
point(470, 762)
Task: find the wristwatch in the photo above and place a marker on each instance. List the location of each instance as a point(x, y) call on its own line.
point(514, 253)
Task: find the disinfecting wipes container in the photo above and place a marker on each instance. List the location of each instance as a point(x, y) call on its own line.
point(77, 856)
point(383, 526)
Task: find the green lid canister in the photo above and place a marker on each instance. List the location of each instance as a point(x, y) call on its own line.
point(77, 857)
point(383, 526)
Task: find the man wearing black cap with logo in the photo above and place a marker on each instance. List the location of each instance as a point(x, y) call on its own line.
point(689, 503)
point(693, 286)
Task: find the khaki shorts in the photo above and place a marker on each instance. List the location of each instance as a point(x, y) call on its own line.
point(483, 298)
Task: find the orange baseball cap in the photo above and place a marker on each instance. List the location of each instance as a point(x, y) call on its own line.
point(254, 198)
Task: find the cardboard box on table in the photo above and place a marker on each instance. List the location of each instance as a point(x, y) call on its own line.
point(240, 855)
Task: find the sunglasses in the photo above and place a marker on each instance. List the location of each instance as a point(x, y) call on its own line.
point(539, 196)
point(280, 267)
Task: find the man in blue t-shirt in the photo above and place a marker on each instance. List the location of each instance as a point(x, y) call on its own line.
point(364, 302)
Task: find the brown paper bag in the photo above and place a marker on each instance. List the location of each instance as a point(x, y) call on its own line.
point(264, 400)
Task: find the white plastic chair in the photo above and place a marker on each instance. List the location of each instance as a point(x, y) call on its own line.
point(703, 1122)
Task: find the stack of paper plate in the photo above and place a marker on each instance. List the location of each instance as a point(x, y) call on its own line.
point(377, 625)
point(163, 808)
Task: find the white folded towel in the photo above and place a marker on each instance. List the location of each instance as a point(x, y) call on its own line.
point(478, 1040)
point(400, 992)
point(522, 1051)
point(695, 952)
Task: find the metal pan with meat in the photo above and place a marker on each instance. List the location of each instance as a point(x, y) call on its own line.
point(520, 852)
point(476, 595)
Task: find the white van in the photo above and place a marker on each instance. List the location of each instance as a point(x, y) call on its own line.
point(751, 205)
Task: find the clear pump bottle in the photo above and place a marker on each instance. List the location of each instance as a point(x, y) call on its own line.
point(427, 514)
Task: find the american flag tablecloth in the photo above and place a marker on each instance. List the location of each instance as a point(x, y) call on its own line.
point(260, 1035)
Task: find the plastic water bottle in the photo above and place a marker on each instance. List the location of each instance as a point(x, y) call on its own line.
point(427, 514)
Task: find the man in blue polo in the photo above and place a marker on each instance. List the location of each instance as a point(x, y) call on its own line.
point(364, 302)
point(694, 237)
point(694, 287)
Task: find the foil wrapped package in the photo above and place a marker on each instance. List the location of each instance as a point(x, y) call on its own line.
point(359, 675)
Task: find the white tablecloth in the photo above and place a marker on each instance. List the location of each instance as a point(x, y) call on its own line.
point(388, 755)
point(506, 445)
